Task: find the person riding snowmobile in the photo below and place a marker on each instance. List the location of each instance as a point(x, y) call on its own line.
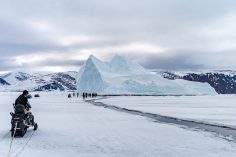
point(23, 100)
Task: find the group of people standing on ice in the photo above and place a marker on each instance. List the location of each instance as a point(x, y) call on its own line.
point(91, 95)
point(84, 95)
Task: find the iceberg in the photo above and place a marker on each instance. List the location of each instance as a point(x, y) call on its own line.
point(123, 76)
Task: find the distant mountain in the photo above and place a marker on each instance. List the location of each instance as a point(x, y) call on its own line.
point(18, 81)
point(122, 76)
point(3, 82)
point(224, 82)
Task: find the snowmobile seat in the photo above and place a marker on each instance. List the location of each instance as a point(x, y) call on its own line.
point(19, 109)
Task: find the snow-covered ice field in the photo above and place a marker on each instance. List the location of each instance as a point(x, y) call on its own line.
point(73, 128)
point(218, 109)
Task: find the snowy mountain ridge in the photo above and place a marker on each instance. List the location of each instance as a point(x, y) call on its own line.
point(223, 81)
point(122, 76)
point(18, 81)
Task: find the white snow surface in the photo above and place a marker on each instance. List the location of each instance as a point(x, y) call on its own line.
point(121, 76)
point(73, 128)
point(218, 109)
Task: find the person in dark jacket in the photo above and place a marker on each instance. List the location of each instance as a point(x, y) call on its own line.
point(23, 100)
point(83, 96)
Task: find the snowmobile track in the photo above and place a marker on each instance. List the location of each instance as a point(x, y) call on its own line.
point(226, 132)
point(21, 145)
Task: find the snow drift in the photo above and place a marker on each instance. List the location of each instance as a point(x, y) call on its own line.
point(122, 76)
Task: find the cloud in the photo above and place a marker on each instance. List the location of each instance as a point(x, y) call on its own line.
point(168, 34)
point(178, 62)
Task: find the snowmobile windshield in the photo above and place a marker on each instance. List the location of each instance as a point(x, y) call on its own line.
point(29, 96)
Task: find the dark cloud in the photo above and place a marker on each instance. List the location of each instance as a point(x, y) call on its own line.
point(175, 62)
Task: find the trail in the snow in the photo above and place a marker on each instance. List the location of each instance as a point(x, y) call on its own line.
point(27, 140)
point(225, 132)
point(19, 144)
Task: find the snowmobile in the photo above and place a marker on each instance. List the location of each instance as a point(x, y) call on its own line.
point(21, 121)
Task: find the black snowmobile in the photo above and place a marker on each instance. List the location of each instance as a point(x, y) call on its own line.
point(21, 121)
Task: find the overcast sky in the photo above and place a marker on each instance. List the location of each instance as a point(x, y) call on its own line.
point(58, 35)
